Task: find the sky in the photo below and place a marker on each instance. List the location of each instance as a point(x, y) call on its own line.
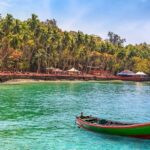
point(128, 18)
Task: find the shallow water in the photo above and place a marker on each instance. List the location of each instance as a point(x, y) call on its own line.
point(41, 116)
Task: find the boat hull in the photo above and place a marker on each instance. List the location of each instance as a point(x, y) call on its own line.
point(136, 131)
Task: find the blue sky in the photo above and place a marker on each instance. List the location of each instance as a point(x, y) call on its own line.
point(128, 18)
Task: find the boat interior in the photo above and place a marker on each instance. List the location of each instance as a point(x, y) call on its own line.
point(103, 121)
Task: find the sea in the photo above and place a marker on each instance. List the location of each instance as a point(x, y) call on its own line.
point(41, 116)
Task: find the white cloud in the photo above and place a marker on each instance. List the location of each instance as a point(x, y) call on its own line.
point(22, 9)
point(4, 3)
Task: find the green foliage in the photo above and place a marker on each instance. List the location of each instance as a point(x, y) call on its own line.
point(33, 45)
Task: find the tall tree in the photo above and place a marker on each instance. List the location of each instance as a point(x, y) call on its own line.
point(115, 39)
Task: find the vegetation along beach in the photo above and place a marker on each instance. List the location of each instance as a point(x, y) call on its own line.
point(34, 46)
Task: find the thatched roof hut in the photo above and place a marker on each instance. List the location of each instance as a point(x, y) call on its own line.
point(141, 74)
point(126, 73)
point(73, 71)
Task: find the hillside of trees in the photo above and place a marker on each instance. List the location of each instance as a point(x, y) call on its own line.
point(34, 45)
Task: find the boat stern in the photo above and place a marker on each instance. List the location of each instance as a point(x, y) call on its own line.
point(78, 123)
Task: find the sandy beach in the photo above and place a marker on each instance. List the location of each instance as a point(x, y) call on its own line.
point(23, 81)
point(27, 81)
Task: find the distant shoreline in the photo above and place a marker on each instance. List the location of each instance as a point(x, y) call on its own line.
point(35, 77)
point(52, 77)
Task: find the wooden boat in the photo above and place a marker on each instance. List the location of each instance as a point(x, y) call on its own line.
point(136, 130)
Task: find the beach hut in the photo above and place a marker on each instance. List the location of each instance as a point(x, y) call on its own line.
point(73, 71)
point(126, 73)
point(141, 74)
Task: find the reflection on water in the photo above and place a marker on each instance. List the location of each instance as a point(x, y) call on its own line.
point(42, 115)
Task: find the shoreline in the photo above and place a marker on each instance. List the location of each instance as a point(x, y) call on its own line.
point(26, 81)
point(35, 77)
point(21, 81)
point(4, 77)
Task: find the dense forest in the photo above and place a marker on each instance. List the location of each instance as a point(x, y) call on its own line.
point(34, 45)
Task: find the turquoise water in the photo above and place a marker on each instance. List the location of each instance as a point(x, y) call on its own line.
point(41, 116)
